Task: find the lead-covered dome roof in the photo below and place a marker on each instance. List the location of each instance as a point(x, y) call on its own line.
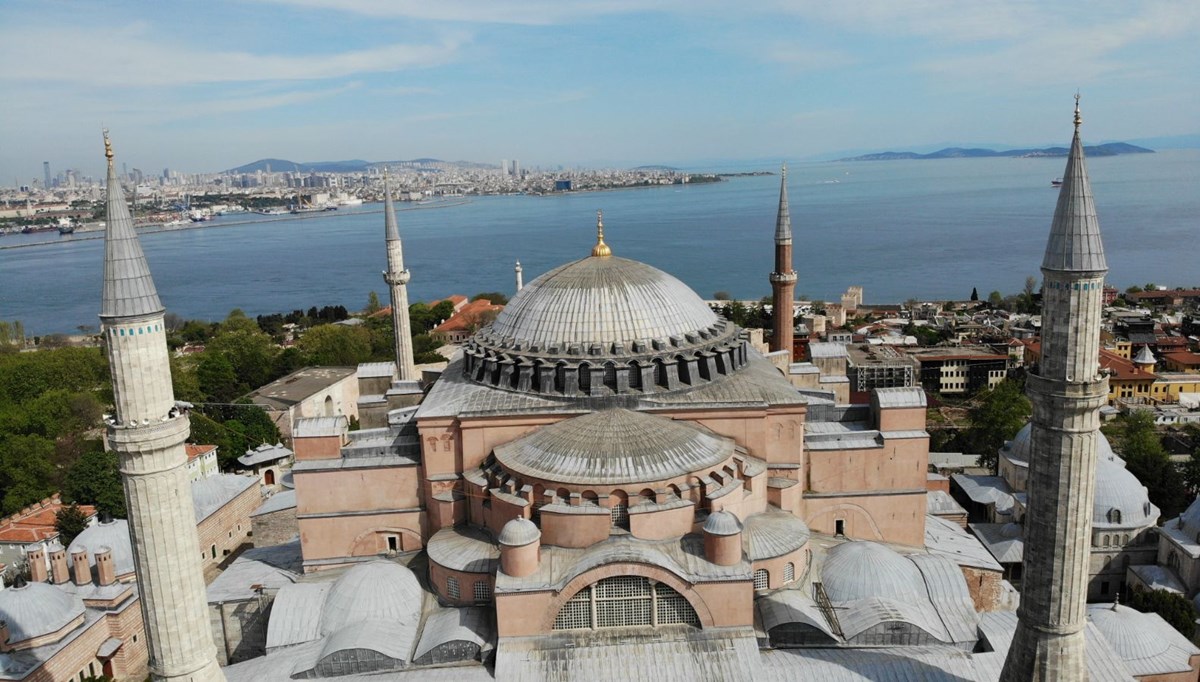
point(613, 447)
point(37, 609)
point(602, 301)
point(865, 570)
point(604, 325)
point(113, 534)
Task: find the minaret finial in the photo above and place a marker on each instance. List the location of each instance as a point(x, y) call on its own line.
point(783, 170)
point(1078, 118)
point(600, 250)
point(108, 152)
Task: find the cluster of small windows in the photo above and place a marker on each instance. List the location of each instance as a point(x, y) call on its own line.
point(120, 331)
point(625, 601)
point(1087, 286)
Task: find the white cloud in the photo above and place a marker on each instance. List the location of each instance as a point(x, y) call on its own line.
point(131, 58)
point(529, 12)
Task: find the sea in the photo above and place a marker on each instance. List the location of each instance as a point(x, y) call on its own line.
point(911, 229)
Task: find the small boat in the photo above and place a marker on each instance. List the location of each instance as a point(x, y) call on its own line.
point(1057, 182)
point(66, 229)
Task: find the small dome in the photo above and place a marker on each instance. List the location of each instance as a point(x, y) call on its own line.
point(519, 532)
point(722, 523)
point(1145, 357)
point(602, 301)
point(1011, 530)
point(376, 590)
point(1128, 631)
point(37, 609)
point(113, 534)
point(1121, 499)
point(862, 570)
point(613, 447)
point(1017, 450)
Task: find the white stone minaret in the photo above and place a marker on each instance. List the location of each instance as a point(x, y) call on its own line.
point(397, 279)
point(1067, 392)
point(147, 432)
point(520, 276)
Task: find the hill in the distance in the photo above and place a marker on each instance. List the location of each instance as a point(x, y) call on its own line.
point(1108, 149)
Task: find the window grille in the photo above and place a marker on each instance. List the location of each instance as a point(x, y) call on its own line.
point(762, 579)
point(452, 587)
point(620, 515)
point(483, 591)
point(625, 601)
point(789, 572)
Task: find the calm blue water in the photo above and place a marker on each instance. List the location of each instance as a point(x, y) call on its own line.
point(901, 229)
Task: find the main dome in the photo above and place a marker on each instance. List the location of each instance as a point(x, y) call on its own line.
point(602, 301)
point(604, 326)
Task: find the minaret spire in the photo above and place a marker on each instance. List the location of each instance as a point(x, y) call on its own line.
point(520, 276)
point(1067, 392)
point(397, 279)
point(147, 431)
point(783, 278)
point(600, 250)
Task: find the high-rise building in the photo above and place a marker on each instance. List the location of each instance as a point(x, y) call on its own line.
point(46, 174)
point(1067, 392)
point(147, 431)
point(783, 279)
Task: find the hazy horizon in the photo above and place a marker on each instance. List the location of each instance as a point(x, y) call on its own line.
point(609, 83)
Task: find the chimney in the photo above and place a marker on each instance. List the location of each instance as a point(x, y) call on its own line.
point(79, 562)
point(106, 573)
point(59, 572)
point(37, 564)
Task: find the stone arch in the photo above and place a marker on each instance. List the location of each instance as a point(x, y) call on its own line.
point(560, 377)
point(675, 491)
point(656, 573)
point(635, 375)
point(590, 497)
point(563, 495)
point(685, 376)
point(371, 542)
point(845, 508)
point(328, 406)
point(269, 477)
point(648, 495)
point(660, 373)
point(585, 378)
point(610, 376)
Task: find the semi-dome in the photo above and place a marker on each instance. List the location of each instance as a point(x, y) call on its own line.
point(773, 534)
point(602, 301)
point(113, 534)
point(613, 447)
point(37, 609)
point(519, 532)
point(376, 590)
point(863, 570)
point(1132, 634)
point(722, 523)
point(602, 326)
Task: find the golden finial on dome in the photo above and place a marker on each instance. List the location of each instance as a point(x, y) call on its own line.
point(1078, 118)
point(600, 250)
point(108, 152)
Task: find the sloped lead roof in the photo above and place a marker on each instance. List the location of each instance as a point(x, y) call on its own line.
point(389, 214)
point(1075, 244)
point(128, 287)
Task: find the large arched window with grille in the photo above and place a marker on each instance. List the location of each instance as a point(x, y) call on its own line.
point(762, 579)
point(625, 601)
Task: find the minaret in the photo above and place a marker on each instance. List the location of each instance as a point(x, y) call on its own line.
point(1067, 393)
point(397, 279)
point(783, 279)
point(147, 432)
point(520, 276)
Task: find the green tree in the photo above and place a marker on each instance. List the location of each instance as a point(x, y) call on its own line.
point(1176, 609)
point(1146, 458)
point(250, 351)
point(999, 414)
point(69, 521)
point(974, 294)
point(724, 296)
point(373, 305)
point(425, 350)
point(996, 299)
point(26, 474)
point(95, 479)
point(217, 379)
point(335, 344)
point(495, 297)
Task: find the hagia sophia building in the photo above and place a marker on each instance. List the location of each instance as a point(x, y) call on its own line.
point(609, 481)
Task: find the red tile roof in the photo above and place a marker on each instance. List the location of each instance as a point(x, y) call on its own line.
point(1184, 358)
point(35, 523)
point(194, 451)
point(1122, 369)
point(467, 315)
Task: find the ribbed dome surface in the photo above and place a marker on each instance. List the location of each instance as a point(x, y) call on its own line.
point(37, 609)
point(377, 590)
point(115, 536)
point(722, 523)
point(613, 447)
point(1131, 633)
point(604, 301)
point(773, 534)
point(1019, 448)
point(862, 570)
point(519, 532)
point(1118, 489)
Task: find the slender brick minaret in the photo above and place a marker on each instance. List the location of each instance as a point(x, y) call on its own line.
point(147, 432)
point(1067, 392)
point(397, 279)
point(783, 279)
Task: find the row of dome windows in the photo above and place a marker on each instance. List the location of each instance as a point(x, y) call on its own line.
point(120, 331)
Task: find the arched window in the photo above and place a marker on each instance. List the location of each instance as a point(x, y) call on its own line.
point(635, 376)
point(789, 572)
point(328, 406)
point(585, 378)
point(762, 579)
point(619, 510)
point(1114, 515)
point(625, 601)
point(1106, 541)
point(610, 376)
point(660, 373)
point(452, 587)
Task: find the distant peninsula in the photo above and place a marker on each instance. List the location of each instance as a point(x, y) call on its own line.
point(1109, 149)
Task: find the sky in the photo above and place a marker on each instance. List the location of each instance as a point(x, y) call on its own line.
point(205, 86)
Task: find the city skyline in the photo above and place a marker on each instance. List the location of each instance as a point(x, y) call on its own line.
point(609, 83)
